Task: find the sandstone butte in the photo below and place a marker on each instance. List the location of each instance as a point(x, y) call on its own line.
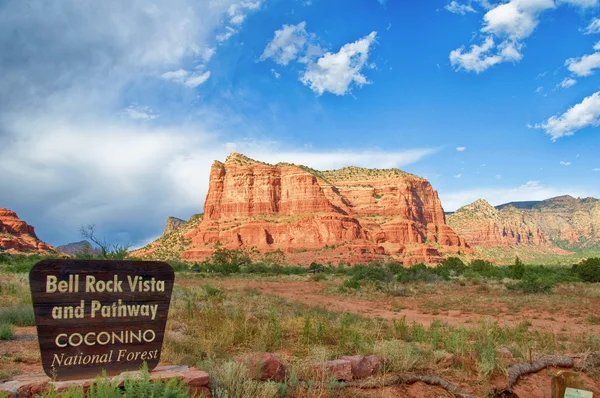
point(556, 225)
point(352, 215)
point(16, 236)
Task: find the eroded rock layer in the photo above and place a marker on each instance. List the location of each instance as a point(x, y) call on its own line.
point(561, 223)
point(352, 214)
point(16, 236)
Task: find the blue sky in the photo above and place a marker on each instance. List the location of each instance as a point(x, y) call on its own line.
point(112, 112)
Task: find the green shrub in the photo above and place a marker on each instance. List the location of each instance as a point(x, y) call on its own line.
point(486, 269)
point(352, 284)
point(451, 266)
point(318, 277)
point(588, 270)
point(6, 331)
point(420, 273)
point(516, 270)
point(533, 283)
point(18, 316)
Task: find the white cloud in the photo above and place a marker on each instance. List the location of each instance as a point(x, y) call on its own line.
point(229, 32)
point(582, 115)
point(498, 176)
point(539, 90)
point(69, 153)
point(585, 65)
point(461, 148)
point(516, 19)
point(237, 12)
point(274, 72)
point(511, 22)
point(481, 57)
point(208, 53)
point(457, 8)
point(567, 82)
point(532, 190)
point(336, 72)
point(287, 43)
point(593, 27)
point(596, 169)
point(458, 176)
point(186, 78)
point(563, 163)
point(140, 113)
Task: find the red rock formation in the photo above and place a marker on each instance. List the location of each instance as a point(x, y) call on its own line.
point(366, 214)
point(551, 225)
point(16, 236)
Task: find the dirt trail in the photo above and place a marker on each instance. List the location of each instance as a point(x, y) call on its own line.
point(311, 293)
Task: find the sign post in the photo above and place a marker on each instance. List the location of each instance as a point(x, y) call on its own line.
point(95, 315)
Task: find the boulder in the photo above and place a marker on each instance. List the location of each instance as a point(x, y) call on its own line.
point(264, 366)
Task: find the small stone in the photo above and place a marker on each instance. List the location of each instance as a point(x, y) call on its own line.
point(363, 366)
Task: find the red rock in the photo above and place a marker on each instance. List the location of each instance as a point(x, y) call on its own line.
point(16, 236)
point(340, 369)
point(195, 378)
point(374, 214)
point(363, 366)
point(265, 366)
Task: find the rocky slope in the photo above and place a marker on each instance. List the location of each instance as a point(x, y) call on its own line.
point(83, 247)
point(16, 236)
point(559, 224)
point(352, 214)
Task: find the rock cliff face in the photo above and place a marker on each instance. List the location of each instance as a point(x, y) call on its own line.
point(351, 214)
point(172, 224)
point(561, 223)
point(16, 236)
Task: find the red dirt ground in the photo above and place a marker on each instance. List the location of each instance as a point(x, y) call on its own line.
point(311, 293)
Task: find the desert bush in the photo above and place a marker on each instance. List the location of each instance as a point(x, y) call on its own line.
point(232, 380)
point(18, 316)
point(516, 270)
point(6, 331)
point(374, 272)
point(486, 269)
point(418, 273)
point(318, 277)
point(588, 270)
point(532, 282)
point(451, 266)
point(351, 284)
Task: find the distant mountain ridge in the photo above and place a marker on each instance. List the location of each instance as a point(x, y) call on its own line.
point(83, 247)
point(559, 224)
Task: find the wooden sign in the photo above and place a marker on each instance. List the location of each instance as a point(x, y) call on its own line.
point(95, 315)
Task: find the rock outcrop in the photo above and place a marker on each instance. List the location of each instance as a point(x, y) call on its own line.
point(558, 224)
point(16, 236)
point(172, 224)
point(352, 214)
point(83, 247)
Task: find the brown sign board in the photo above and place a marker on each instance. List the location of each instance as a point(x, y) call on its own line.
point(95, 315)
